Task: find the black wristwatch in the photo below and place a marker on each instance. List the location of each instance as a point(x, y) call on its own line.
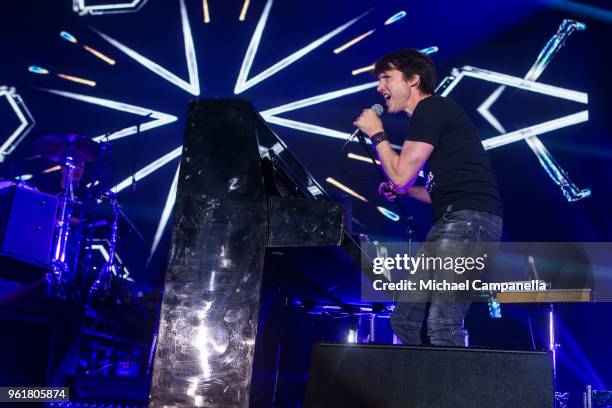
point(378, 138)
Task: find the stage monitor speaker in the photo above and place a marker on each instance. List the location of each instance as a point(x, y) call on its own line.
point(377, 376)
point(27, 220)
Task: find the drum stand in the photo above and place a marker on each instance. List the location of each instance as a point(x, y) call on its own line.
point(102, 285)
point(57, 279)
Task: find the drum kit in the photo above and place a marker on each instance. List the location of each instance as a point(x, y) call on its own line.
point(76, 217)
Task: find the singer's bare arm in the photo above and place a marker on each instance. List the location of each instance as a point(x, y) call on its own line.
point(419, 193)
point(403, 169)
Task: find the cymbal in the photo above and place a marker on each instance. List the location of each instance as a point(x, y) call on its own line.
point(57, 147)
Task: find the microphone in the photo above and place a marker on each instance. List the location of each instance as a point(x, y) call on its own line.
point(378, 110)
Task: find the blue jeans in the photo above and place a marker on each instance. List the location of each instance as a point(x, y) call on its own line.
point(461, 233)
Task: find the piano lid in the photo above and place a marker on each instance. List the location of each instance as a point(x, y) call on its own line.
point(317, 269)
point(274, 149)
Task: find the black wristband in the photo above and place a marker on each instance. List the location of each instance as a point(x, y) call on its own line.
point(378, 138)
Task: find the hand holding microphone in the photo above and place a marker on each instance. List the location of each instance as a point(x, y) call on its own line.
point(377, 109)
point(369, 122)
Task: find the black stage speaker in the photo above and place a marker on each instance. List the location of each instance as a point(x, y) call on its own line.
point(27, 220)
point(377, 376)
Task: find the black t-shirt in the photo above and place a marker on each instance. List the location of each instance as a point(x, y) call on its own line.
point(458, 174)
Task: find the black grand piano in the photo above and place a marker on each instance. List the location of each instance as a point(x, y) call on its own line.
point(241, 194)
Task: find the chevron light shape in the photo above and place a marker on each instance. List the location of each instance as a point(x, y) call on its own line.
point(547, 161)
point(193, 86)
point(242, 83)
point(26, 121)
point(484, 109)
point(159, 118)
point(551, 48)
point(557, 174)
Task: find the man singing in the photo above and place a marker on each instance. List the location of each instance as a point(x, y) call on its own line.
point(459, 184)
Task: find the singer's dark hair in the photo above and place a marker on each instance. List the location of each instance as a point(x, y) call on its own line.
point(410, 62)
